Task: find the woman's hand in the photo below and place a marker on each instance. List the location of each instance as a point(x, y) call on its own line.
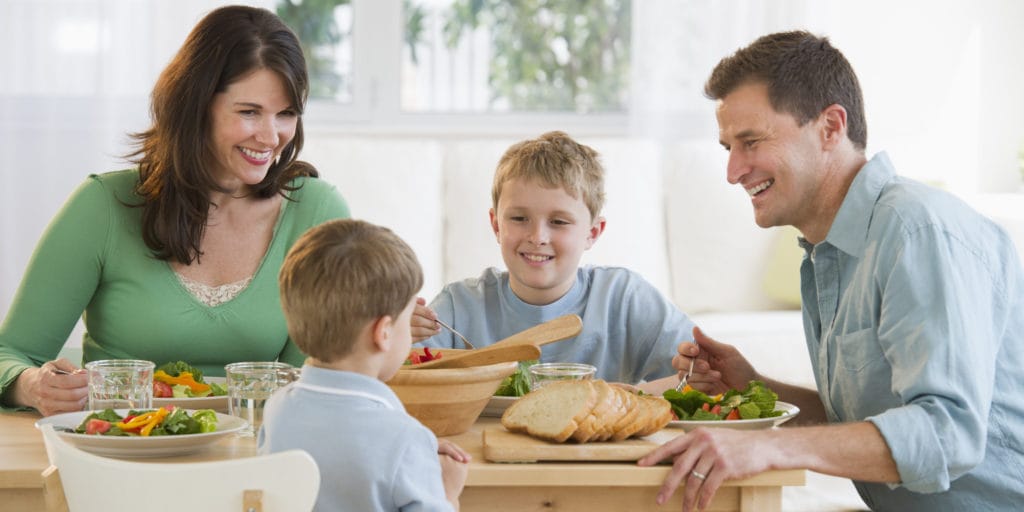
point(718, 367)
point(50, 392)
point(423, 321)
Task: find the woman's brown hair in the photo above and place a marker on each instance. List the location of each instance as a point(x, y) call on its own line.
point(174, 155)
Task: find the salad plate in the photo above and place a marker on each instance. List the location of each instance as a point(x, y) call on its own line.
point(137, 447)
point(217, 403)
point(496, 406)
point(788, 412)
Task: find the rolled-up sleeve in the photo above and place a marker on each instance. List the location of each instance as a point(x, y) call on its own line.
point(937, 331)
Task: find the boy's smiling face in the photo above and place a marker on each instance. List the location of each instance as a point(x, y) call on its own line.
point(543, 233)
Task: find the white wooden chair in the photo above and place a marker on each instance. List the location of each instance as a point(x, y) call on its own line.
point(82, 482)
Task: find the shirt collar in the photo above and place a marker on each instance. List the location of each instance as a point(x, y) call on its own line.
point(316, 376)
point(849, 230)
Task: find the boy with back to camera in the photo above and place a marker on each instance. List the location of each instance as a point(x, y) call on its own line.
point(348, 290)
point(547, 197)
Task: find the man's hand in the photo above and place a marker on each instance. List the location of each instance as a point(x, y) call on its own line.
point(704, 458)
point(718, 367)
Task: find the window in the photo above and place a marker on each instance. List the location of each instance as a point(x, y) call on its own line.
point(466, 63)
point(500, 56)
point(325, 29)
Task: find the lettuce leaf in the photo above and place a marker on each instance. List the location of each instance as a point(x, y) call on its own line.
point(517, 384)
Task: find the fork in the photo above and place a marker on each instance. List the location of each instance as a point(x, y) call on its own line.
point(686, 376)
point(457, 333)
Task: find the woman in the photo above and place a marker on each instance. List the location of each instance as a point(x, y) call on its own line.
point(178, 258)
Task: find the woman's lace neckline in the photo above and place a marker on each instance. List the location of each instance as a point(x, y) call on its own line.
point(214, 295)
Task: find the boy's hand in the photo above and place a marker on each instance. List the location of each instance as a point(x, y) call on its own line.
point(453, 470)
point(446, 447)
point(423, 322)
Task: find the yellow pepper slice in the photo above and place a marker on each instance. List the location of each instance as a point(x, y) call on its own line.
point(184, 378)
point(145, 422)
point(135, 422)
point(156, 420)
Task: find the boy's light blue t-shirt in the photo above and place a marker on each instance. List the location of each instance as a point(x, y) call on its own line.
point(630, 331)
point(372, 455)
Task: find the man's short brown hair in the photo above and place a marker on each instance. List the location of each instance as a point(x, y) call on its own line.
point(804, 74)
point(556, 160)
point(338, 277)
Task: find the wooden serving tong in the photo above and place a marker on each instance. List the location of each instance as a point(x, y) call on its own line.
point(522, 346)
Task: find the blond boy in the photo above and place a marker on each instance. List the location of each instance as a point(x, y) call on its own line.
point(348, 290)
point(546, 211)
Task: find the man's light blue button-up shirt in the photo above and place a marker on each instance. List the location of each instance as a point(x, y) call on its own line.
point(913, 309)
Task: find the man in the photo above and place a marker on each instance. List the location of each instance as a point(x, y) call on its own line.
point(913, 305)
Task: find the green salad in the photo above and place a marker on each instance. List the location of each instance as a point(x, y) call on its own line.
point(178, 379)
point(754, 402)
point(517, 384)
point(165, 421)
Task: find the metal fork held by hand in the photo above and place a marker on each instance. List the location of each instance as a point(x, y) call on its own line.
point(686, 376)
point(457, 333)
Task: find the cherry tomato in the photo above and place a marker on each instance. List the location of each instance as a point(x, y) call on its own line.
point(162, 390)
point(96, 426)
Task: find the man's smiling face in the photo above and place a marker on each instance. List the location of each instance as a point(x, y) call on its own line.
point(773, 158)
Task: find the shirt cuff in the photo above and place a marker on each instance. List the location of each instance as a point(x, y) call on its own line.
point(915, 448)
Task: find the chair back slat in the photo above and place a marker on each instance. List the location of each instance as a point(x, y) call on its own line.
point(252, 500)
point(284, 481)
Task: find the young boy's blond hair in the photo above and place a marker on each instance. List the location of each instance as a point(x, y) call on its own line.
point(555, 160)
point(338, 277)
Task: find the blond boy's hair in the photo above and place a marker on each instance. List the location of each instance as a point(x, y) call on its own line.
point(555, 160)
point(340, 276)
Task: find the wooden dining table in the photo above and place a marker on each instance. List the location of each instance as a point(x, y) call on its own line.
point(490, 486)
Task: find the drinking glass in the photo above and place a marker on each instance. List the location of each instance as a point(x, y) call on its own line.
point(545, 373)
point(250, 384)
point(120, 384)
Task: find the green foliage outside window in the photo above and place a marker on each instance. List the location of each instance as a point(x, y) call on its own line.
point(590, 73)
point(547, 55)
point(314, 24)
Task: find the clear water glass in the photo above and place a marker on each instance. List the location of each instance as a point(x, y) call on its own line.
point(120, 384)
point(545, 373)
point(250, 384)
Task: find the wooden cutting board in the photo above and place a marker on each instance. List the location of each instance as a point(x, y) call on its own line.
point(501, 445)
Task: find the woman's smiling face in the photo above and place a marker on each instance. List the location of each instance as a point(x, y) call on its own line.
point(252, 121)
point(543, 233)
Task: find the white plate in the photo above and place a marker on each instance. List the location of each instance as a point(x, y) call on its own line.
point(497, 405)
point(217, 403)
point(155, 446)
point(788, 412)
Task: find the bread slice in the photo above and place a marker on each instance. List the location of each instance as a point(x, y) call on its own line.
point(661, 414)
point(617, 411)
point(553, 412)
point(643, 416)
point(593, 425)
point(630, 403)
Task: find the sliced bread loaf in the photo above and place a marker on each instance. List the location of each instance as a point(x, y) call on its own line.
point(553, 412)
